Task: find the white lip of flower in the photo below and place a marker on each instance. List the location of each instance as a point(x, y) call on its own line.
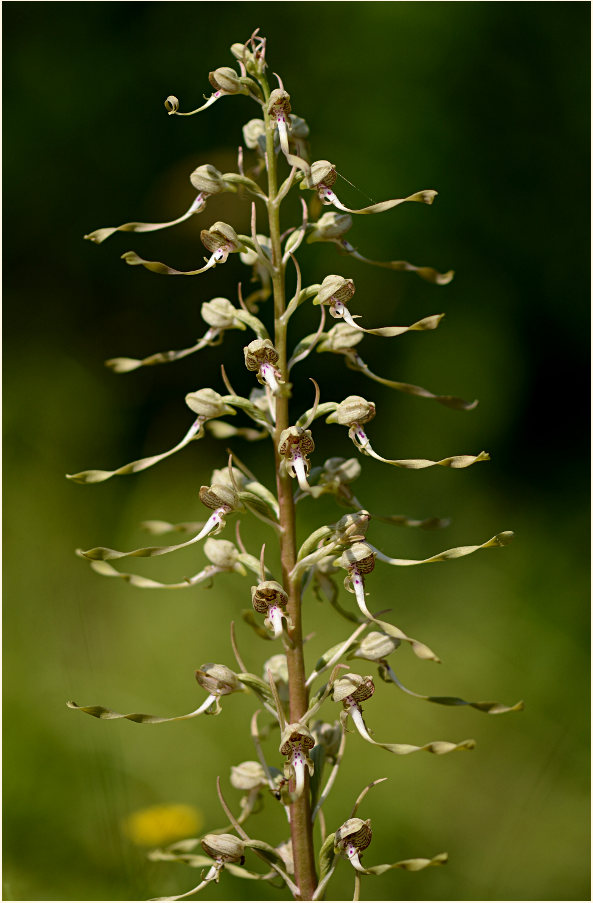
point(353, 855)
point(339, 311)
point(274, 619)
point(270, 375)
point(296, 467)
point(215, 521)
point(296, 748)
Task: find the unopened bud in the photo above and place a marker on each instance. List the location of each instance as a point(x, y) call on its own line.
point(218, 680)
point(226, 80)
point(278, 668)
point(354, 409)
point(340, 338)
point(352, 527)
point(375, 646)
point(207, 404)
point(224, 847)
point(330, 226)
point(254, 134)
point(328, 736)
point(342, 470)
point(207, 179)
point(285, 851)
point(221, 553)
point(250, 257)
point(298, 127)
point(353, 687)
point(220, 314)
point(248, 776)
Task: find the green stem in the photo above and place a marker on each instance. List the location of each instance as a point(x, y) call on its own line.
point(300, 810)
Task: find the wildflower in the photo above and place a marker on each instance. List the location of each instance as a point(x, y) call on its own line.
point(295, 444)
point(352, 838)
point(295, 745)
point(271, 599)
point(261, 358)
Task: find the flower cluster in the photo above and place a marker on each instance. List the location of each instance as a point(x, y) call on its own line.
point(296, 769)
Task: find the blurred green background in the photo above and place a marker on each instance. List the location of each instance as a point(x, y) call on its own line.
point(486, 102)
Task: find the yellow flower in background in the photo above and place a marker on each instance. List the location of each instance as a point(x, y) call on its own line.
point(161, 824)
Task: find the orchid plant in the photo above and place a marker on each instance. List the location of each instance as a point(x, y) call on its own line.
point(299, 772)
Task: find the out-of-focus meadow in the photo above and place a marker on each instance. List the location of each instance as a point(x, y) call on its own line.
point(486, 102)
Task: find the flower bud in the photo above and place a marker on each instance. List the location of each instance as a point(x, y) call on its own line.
point(278, 668)
point(219, 496)
point(172, 104)
point(352, 527)
point(336, 288)
point(375, 646)
point(342, 470)
point(248, 776)
point(298, 127)
point(268, 593)
point(354, 832)
point(340, 338)
point(353, 688)
point(207, 179)
point(207, 404)
point(353, 410)
point(218, 680)
point(250, 258)
point(328, 736)
point(285, 851)
point(330, 226)
point(254, 134)
point(219, 313)
point(279, 103)
point(258, 352)
point(222, 477)
point(359, 556)
point(253, 62)
point(221, 553)
point(224, 847)
point(226, 80)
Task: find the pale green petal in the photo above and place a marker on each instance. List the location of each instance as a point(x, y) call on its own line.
point(354, 362)
point(491, 708)
point(409, 865)
point(99, 711)
point(98, 476)
point(99, 235)
point(127, 364)
point(154, 266)
point(501, 539)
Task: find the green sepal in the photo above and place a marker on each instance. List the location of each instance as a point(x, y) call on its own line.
point(257, 685)
point(410, 865)
point(327, 856)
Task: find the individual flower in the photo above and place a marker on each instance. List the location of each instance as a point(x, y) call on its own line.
point(295, 445)
point(269, 598)
point(352, 838)
point(295, 745)
point(261, 358)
